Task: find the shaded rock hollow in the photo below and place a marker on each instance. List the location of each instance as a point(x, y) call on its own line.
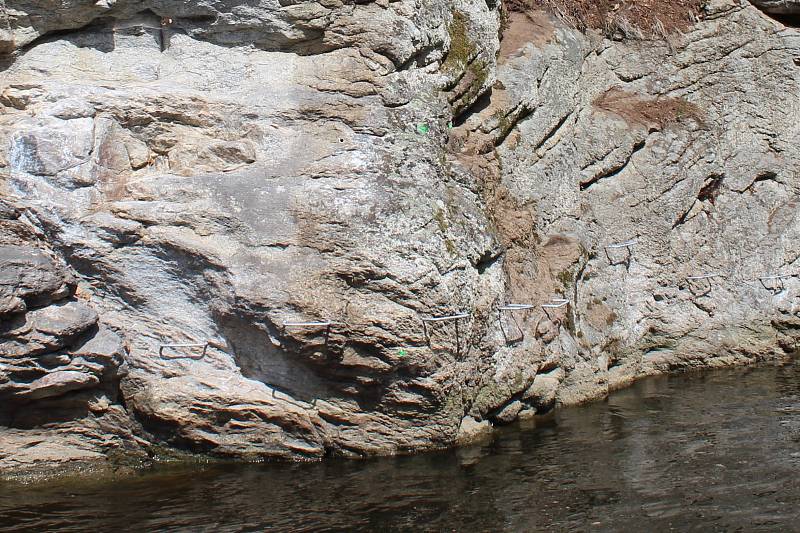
point(205, 172)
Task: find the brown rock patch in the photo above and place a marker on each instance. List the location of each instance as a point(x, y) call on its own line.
point(521, 28)
point(650, 112)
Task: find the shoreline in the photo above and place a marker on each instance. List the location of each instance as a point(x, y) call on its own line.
point(126, 465)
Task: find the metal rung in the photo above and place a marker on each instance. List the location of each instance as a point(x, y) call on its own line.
point(195, 345)
point(161, 347)
point(626, 244)
point(557, 303)
point(135, 26)
point(516, 307)
point(444, 318)
point(311, 324)
point(704, 276)
point(779, 276)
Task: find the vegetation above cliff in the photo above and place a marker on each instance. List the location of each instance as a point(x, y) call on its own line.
point(622, 18)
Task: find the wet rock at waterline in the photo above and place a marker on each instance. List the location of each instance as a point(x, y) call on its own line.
point(779, 7)
point(182, 173)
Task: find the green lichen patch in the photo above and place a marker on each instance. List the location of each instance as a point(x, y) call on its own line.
point(567, 278)
point(467, 70)
point(441, 220)
point(462, 49)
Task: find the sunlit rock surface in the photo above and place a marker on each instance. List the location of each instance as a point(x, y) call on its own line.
point(205, 172)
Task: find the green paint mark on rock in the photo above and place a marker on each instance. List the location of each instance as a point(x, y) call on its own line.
point(402, 352)
point(423, 128)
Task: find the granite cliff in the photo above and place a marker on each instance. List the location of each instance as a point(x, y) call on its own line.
point(295, 188)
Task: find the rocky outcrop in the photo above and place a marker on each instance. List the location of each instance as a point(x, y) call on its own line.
point(59, 368)
point(289, 188)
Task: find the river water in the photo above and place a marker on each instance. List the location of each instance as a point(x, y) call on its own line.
point(715, 451)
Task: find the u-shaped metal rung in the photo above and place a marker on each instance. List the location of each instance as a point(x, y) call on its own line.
point(511, 307)
point(445, 318)
point(779, 286)
point(704, 276)
point(515, 307)
point(556, 303)
point(183, 345)
point(448, 318)
point(325, 324)
point(626, 244)
point(700, 278)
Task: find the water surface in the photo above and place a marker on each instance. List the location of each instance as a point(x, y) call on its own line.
point(718, 451)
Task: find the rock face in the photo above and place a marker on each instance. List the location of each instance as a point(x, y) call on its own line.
point(291, 187)
point(59, 368)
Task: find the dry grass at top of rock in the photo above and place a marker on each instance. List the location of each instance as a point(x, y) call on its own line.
point(639, 19)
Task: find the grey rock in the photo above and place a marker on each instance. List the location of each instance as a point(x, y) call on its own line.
point(115, 230)
point(542, 393)
point(104, 347)
point(8, 211)
point(508, 413)
point(10, 305)
point(49, 392)
point(46, 147)
point(470, 430)
point(138, 153)
point(69, 108)
point(58, 383)
point(62, 320)
point(29, 275)
point(45, 329)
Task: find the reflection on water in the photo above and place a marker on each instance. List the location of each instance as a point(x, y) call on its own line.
point(704, 452)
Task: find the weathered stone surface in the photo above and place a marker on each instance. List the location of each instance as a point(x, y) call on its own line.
point(213, 170)
point(48, 146)
point(30, 276)
point(45, 329)
point(542, 393)
point(508, 413)
point(214, 413)
point(59, 370)
point(470, 430)
point(87, 441)
point(58, 383)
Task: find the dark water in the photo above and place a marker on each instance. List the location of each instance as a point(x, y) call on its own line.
point(704, 452)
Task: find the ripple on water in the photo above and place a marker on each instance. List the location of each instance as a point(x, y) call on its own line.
point(701, 452)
